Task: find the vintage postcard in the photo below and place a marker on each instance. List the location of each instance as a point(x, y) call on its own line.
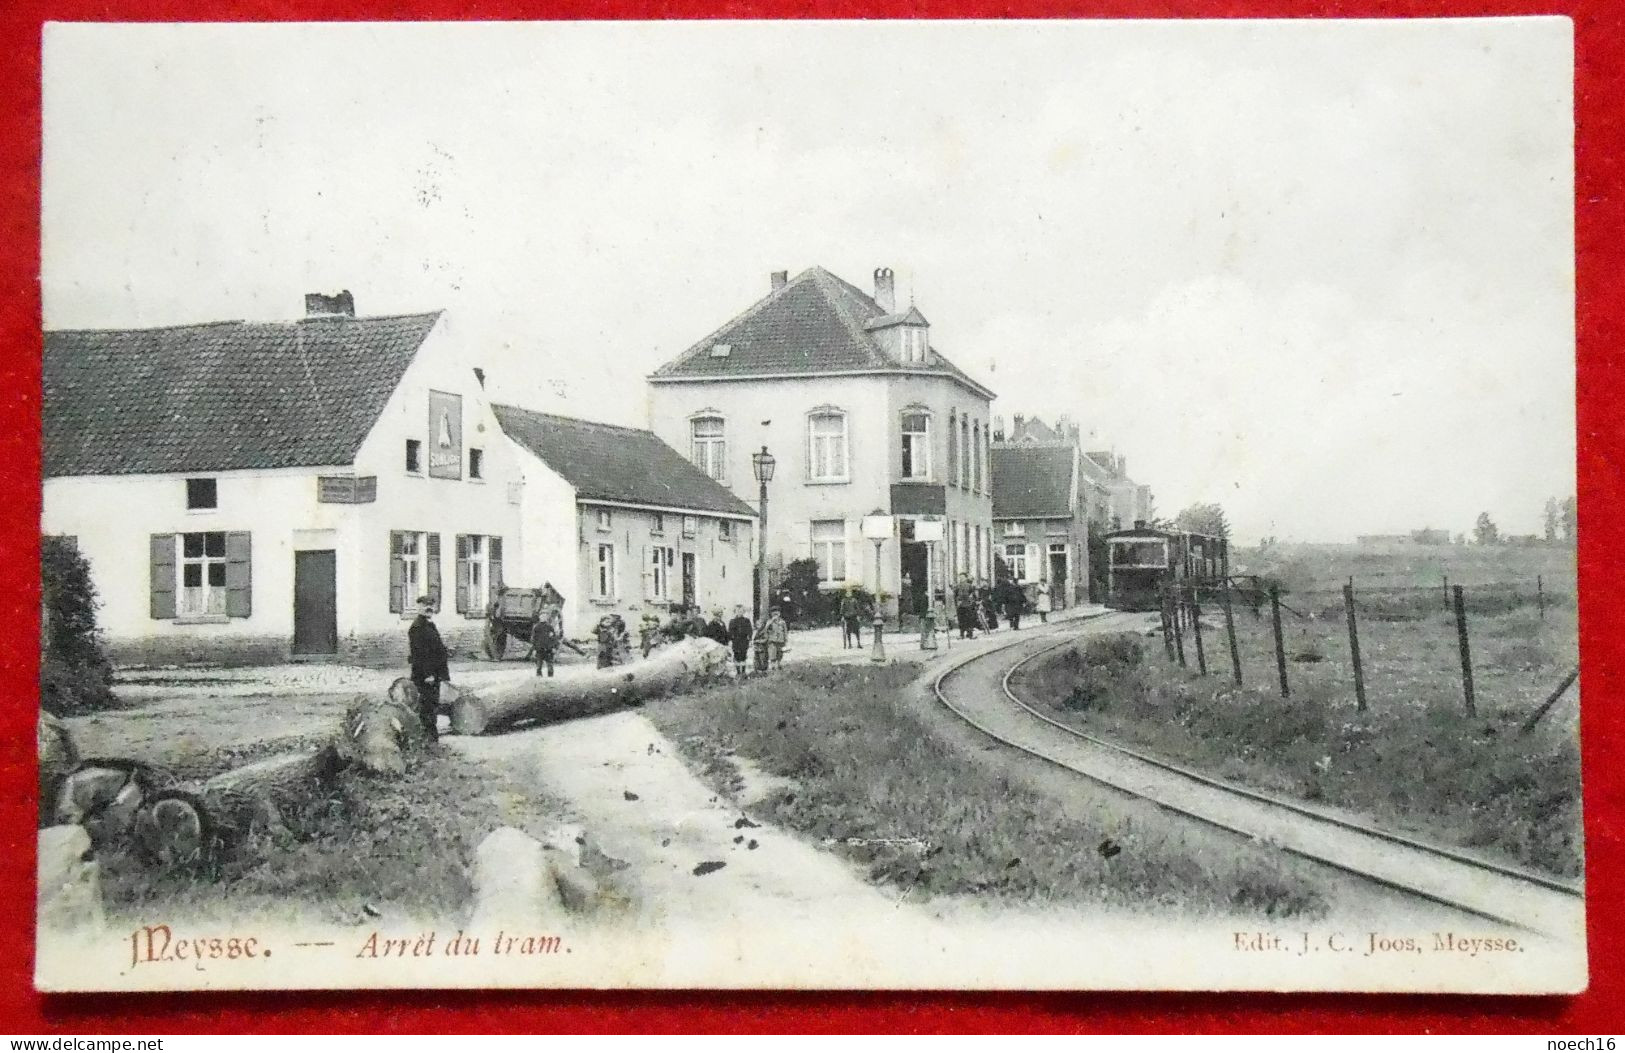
point(957, 505)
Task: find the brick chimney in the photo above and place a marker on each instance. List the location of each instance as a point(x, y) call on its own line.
point(1018, 422)
point(780, 279)
point(886, 289)
point(340, 305)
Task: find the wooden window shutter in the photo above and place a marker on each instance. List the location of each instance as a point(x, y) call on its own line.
point(239, 574)
point(397, 574)
point(462, 574)
point(494, 572)
point(162, 597)
point(432, 546)
point(648, 572)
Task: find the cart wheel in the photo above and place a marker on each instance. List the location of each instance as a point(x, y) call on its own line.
point(496, 642)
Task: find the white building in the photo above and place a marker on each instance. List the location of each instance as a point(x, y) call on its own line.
point(250, 491)
point(862, 412)
point(620, 523)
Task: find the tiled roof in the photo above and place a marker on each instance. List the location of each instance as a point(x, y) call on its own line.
point(606, 462)
point(1031, 481)
point(816, 324)
point(220, 396)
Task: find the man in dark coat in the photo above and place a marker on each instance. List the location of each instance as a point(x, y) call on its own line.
point(717, 629)
point(544, 640)
point(740, 631)
point(426, 654)
point(1012, 599)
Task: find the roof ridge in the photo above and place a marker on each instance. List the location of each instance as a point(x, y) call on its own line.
point(176, 326)
point(573, 420)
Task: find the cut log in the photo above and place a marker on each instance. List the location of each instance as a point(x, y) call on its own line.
point(675, 668)
point(192, 822)
point(379, 733)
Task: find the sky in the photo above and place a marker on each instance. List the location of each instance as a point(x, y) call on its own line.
point(1318, 272)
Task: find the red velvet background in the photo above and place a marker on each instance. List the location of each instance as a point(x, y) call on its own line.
point(1599, 201)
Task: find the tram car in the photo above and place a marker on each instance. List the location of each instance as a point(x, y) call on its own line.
point(1141, 561)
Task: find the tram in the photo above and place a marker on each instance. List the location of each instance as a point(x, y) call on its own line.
point(1141, 561)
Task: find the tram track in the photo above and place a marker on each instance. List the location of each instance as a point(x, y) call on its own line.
point(978, 690)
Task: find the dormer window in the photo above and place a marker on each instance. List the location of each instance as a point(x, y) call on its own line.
point(914, 345)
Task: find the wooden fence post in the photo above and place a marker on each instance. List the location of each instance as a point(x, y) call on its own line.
point(1230, 631)
point(1447, 592)
point(1540, 594)
point(1466, 654)
point(1177, 599)
point(1280, 645)
point(1167, 624)
point(1196, 632)
point(1551, 700)
point(1354, 647)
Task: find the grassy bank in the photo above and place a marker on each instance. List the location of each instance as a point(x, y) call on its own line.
point(1412, 761)
point(877, 785)
point(367, 848)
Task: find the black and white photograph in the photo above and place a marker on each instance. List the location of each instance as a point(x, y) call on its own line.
point(957, 505)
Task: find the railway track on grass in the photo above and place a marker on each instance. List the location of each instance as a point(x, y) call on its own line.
point(978, 691)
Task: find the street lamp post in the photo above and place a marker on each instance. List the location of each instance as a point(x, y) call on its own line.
point(878, 527)
point(762, 465)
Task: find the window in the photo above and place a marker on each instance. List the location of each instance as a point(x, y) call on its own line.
point(826, 435)
point(1129, 552)
point(1016, 529)
point(1015, 558)
point(914, 344)
point(953, 447)
point(691, 526)
point(658, 524)
point(976, 456)
point(202, 494)
point(708, 448)
point(414, 568)
point(605, 519)
point(661, 560)
point(916, 446)
point(203, 574)
point(604, 579)
point(829, 548)
point(479, 572)
point(725, 530)
point(964, 452)
point(414, 455)
point(476, 463)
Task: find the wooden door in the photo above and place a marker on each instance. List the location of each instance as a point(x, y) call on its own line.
point(315, 603)
point(689, 598)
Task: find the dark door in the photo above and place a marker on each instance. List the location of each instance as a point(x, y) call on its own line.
point(688, 579)
point(1058, 585)
point(315, 603)
point(913, 570)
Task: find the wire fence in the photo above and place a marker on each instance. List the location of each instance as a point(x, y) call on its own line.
point(1507, 649)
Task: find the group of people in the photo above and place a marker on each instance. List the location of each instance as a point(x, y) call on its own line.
point(976, 604)
point(739, 634)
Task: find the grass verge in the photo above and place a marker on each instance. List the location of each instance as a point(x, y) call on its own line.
point(879, 787)
point(1411, 762)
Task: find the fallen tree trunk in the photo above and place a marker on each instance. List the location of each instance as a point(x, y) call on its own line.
point(674, 668)
point(58, 757)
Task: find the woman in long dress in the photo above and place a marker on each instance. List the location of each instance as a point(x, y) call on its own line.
point(1041, 602)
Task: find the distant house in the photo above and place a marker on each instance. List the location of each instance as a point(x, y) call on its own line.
point(621, 523)
point(862, 411)
point(1043, 501)
point(260, 491)
point(1127, 502)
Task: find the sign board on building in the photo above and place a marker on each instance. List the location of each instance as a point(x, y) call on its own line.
point(445, 435)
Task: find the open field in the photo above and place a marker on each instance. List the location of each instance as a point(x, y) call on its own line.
point(851, 765)
point(1324, 568)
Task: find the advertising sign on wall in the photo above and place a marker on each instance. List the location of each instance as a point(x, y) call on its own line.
point(445, 435)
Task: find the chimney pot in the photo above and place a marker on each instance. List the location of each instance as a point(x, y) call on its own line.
point(886, 289)
point(780, 280)
point(339, 305)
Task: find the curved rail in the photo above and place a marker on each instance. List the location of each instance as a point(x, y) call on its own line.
point(1303, 816)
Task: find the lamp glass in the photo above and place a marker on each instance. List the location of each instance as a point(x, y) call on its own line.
point(763, 463)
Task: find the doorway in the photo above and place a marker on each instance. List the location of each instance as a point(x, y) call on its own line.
point(315, 603)
point(1059, 585)
point(689, 598)
point(912, 596)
